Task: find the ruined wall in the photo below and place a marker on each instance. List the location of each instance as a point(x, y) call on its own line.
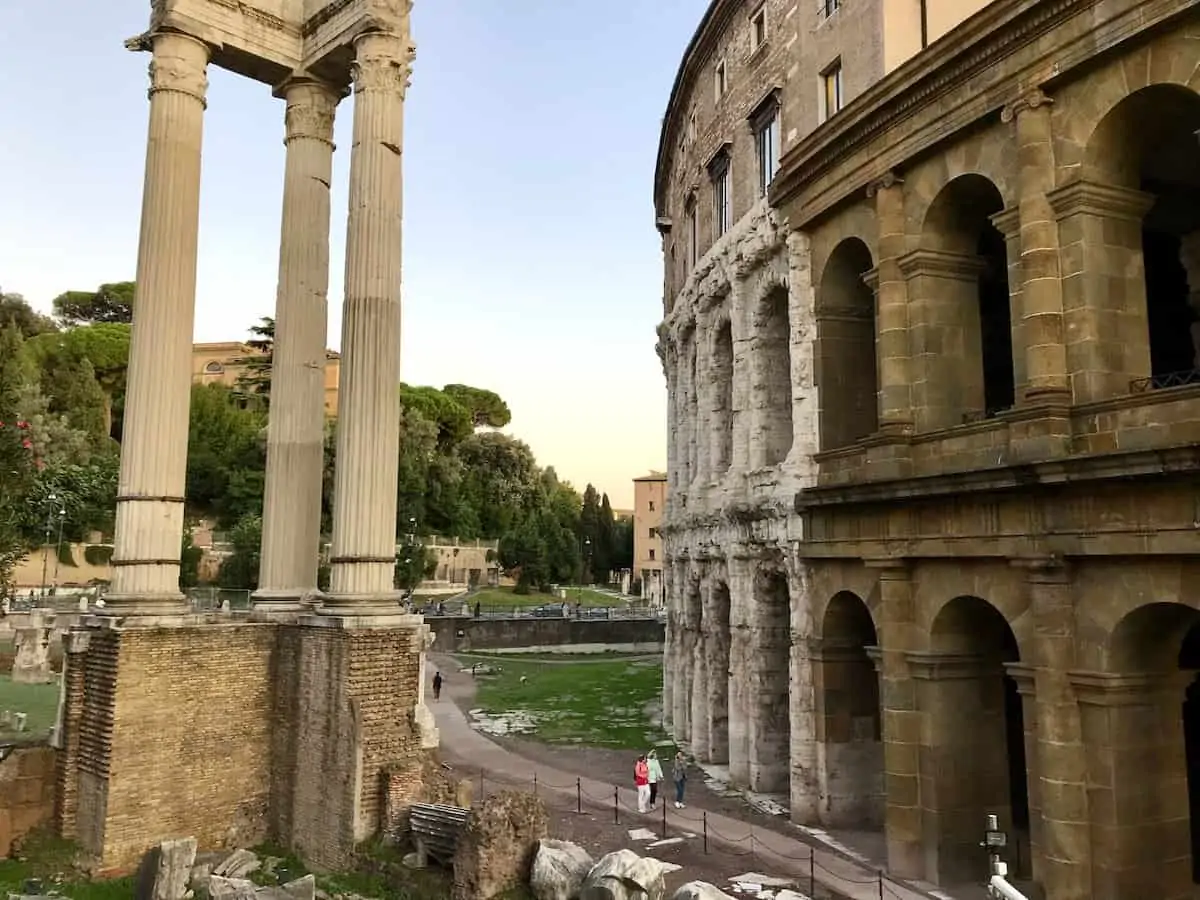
point(174, 738)
point(26, 793)
point(459, 634)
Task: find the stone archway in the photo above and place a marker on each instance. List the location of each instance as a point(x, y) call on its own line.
point(846, 359)
point(771, 387)
point(974, 736)
point(1141, 728)
point(962, 340)
point(1143, 177)
point(849, 720)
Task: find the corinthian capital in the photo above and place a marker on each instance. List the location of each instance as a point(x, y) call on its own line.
point(1032, 99)
point(383, 62)
point(310, 110)
point(180, 65)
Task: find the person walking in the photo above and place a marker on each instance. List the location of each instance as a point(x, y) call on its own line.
point(679, 775)
point(437, 686)
point(641, 780)
point(655, 774)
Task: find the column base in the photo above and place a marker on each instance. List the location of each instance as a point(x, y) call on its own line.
point(363, 606)
point(281, 605)
point(144, 608)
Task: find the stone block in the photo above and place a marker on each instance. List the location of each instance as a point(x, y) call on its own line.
point(497, 846)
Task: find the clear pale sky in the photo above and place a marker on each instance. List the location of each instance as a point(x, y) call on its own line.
point(531, 264)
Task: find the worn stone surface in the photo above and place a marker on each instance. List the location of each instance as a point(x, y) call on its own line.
point(702, 890)
point(623, 875)
point(975, 516)
point(171, 867)
point(26, 794)
point(559, 868)
point(31, 662)
point(497, 846)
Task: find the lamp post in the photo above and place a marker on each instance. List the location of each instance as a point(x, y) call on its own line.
point(583, 545)
point(53, 499)
point(62, 515)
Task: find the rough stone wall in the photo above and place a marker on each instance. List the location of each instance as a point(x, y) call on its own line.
point(26, 793)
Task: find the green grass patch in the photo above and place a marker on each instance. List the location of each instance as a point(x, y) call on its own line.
point(604, 703)
point(504, 597)
point(38, 701)
point(51, 861)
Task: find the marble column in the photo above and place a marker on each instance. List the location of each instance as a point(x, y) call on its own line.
point(296, 433)
point(368, 439)
point(150, 495)
point(1041, 312)
point(891, 320)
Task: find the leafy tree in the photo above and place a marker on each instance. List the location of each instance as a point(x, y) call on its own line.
point(240, 568)
point(606, 542)
point(414, 563)
point(485, 407)
point(622, 558)
point(453, 421)
point(16, 456)
point(108, 303)
point(254, 381)
point(105, 346)
point(226, 455)
point(500, 476)
point(15, 310)
point(189, 562)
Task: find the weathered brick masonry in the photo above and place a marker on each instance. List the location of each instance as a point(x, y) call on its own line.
point(26, 793)
point(234, 733)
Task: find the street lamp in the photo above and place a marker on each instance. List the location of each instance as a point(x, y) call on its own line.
point(53, 498)
point(583, 545)
point(62, 515)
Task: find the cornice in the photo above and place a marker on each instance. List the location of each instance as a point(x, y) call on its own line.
point(712, 26)
point(1106, 200)
point(941, 264)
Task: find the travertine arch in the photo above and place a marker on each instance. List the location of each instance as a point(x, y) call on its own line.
point(1082, 105)
point(959, 212)
point(970, 624)
point(1140, 127)
point(834, 618)
point(1149, 637)
point(828, 579)
point(1008, 595)
point(856, 221)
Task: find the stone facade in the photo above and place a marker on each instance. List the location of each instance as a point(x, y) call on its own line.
point(967, 587)
point(225, 361)
point(26, 793)
point(649, 508)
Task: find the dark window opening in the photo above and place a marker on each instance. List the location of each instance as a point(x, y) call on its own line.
point(1171, 316)
point(995, 323)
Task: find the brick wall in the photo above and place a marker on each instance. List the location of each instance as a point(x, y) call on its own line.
point(26, 793)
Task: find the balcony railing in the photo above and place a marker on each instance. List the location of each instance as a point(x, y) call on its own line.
point(1166, 380)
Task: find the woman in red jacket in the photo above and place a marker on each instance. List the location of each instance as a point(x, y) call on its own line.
point(641, 778)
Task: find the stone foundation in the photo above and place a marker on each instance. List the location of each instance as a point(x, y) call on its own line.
point(26, 793)
point(235, 733)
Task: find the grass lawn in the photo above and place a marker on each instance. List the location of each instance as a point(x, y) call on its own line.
point(38, 701)
point(500, 597)
point(50, 861)
point(603, 703)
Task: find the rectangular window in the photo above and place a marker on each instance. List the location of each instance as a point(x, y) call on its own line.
point(831, 6)
point(766, 139)
point(719, 171)
point(719, 80)
point(693, 248)
point(831, 91)
point(651, 506)
point(691, 128)
point(652, 554)
point(758, 29)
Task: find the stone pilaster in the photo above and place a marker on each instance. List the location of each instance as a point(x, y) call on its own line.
point(802, 316)
point(1062, 794)
point(671, 370)
point(720, 406)
point(150, 496)
point(702, 393)
point(741, 375)
point(741, 656)
point(1190, 257)
point(1041, 313)
point(364, 521)
point(716, 614)
point(770, 714)
point(891, 322)
point(296, 431)
point(903, 819)
point(803, 763)
point(698, 664)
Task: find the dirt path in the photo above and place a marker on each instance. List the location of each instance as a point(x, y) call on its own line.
point(578, 786)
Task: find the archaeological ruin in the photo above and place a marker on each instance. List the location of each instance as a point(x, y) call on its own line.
point(301, 723)
point(932, 351)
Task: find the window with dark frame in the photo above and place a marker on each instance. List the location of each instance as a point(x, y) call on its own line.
point(831, 90)
point(719, 172)
point(765, 123)
point(758, 29)
point(830, 7)
point(693, 238)
point(720, 82)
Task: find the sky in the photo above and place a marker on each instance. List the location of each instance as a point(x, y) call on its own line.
point(531, 263)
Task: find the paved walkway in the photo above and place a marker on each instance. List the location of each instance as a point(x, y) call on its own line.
point(791, 855)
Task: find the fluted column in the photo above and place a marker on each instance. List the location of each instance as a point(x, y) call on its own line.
point(1043, 335)
point(368, 441)
point(891, 321)
point(296, 433)
point(150, 496)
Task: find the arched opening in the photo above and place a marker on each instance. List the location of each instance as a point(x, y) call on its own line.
point(1147, 143)
point(721, 373)
point(977, 737)
point(849, 721)
point(963, 340)
point(689, 680)
point(718, 675)
point(846, 364)
point(214, 368)
point(770, 716)
point(774, 377)
point(1146, 790)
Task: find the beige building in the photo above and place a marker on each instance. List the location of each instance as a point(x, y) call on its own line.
point(649, 501)
point(934, 405)
point(223, 362)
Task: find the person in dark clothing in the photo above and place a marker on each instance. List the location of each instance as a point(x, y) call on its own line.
point(478, 609)
point(437, 686)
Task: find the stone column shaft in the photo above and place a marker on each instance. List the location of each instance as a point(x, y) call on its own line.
point(741, 376)
point(368, 440)
point(1041, 284)
point(741, 653)
point(296, 432)
point(891, 319)
point(150, 498)
point(703, 393)
point(1062, 760)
